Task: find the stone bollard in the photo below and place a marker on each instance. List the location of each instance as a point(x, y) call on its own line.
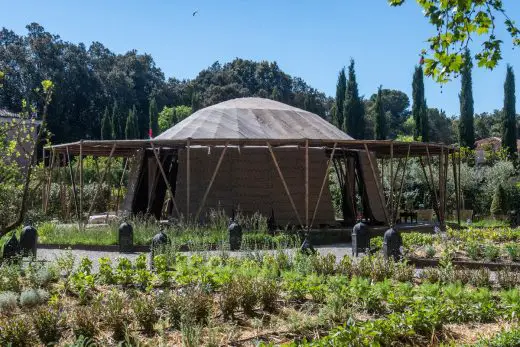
point(392, 243)
point(235, 235)
point(11, 248)
point(159, 242)
point(126, 237)
point(360, 239)
point(28, 240)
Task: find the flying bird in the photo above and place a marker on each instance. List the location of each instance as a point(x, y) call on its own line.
point(195, 12)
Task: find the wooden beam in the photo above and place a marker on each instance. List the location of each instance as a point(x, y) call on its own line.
point(102, 180)
point(208, 188)
point(284, 184)
point(165, 178)
point(307, 184)
point(48, 188)
point(331, 159)
point(377, 183)
point(73, 187)
point(401, 186)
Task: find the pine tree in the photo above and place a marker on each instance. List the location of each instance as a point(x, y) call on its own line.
point(418, 100)
point(154, 116)
point(466, 122)
point(106, 126)
point(341, 88)
point(353, 110)
point(131, 127)
point(425, 124)
point(116, 122)
point(381, 128)
point(509, 114)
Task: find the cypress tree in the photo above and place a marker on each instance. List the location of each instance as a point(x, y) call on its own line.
point(116, 122)
point(509, 114)
point(341, 88)
point(154, 118)
point(466, 122)
point(106, 126)
point(381, 128)
point(425, 125)
point(498, 204)
point(418, 100)
point(131, 127)
point(353, 110)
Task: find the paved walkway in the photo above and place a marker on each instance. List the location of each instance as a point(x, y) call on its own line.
point(339, 250)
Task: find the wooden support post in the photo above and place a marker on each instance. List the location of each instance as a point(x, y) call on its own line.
point(331, 159)
point(382, 174)
point(460, 189)
point(402, 182)
point(73, 187)
point(208, 188)
point(49, 183)
point(80, 163)
point(163, 173)
point(441, 189)
point(44, 189)
point(391, 197)
point(188, 179)
point(120, 187)
point(377, 184)
point(102, 180)
point(284, 184)
point(307, 184)
point(433, 184)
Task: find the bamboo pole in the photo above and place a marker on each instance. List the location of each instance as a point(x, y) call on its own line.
point(80, 164)
point(163, 173)
point(331, 159)
point(284, 184)
point(73, 187)
point(307, 184)
point(208, 188)
point(377, 183)
point(188, 179)
point(402, 183)
point(100, 183)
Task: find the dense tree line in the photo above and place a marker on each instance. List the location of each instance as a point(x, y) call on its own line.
point(97, 92)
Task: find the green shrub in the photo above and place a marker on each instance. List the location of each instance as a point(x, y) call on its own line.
point(10, 277)
point(499, 203)
point(474, 250)
point(173, 306)
point(48, 323)
point(507, 278)
point(480, 277)
point(196, 305)
point(269, 294)
point(513, 251)
point(229, 299)
point(116, 315)
point(146, 312)
point(506, 338)
point(430, 251)
point(84, 322)
point(16, 332)
point(430, 274)
point(8, 302)
point(248, 294)
point(491, 252)
point(33, 297)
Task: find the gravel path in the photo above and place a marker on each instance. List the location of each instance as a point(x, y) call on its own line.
point(51, 254)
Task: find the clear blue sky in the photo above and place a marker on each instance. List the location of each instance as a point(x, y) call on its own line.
point(309, 39)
